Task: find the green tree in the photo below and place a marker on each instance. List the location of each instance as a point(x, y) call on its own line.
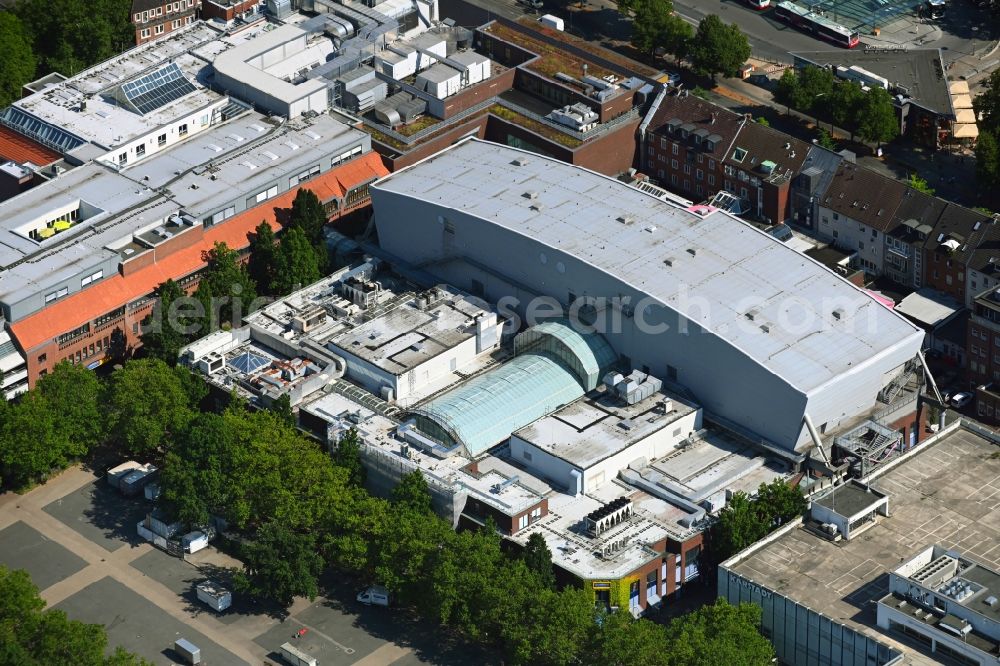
point(777, 503)
point(413, 493)
point(824, 140)
point(761, 120)
point(250, 467)
point(32, 636)
point(538, 558)
point(282, 407)
point(226, 290)
point(308, 215)
point(787, 90)
point(718, 634)
point(622, 640)
point(17, 61)
point(656, 26)
point(147, 404)
point(297, 262)
point(987, 104)
point(31, 445)
point(69, 35)
point(263, 258)
point(737, 527)
point(402, 554)
point(718, 48)
point(280, 564)
point(553, 630)
point(348, 456)
point(815, 86)
point(878, 122)
point(845, 105)
point(919, 184)
point(74, 393)
point(988, 160)
point(163, 332)
point(466, 572)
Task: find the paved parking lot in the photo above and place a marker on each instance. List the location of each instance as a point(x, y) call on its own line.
point(76, 537)
point(100, 514)
point(139, 625)
point(23, 547)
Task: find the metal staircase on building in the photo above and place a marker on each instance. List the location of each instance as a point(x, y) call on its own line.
point(231, 110)
point(891, 390)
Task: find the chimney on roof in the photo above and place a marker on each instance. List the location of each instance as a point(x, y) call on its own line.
point(713, 118)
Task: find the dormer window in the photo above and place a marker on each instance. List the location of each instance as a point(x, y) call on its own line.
point(739, 155)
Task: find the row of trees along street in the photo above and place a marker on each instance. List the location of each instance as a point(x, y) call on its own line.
point(295, 512)
point(713, 48)
point(817, 92)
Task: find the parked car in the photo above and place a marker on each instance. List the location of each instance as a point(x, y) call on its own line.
point(376, 595)
point(960, 399)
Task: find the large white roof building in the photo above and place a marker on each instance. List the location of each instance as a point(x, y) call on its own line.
point(761, 334)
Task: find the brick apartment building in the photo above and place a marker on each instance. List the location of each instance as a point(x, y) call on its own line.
point(153, 19)
point(697, 149)
point(230, 10)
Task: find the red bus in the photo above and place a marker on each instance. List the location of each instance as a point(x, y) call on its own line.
point(824, 28)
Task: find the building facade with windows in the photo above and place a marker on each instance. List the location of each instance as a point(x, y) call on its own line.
point(153, 19)
point(696, 149)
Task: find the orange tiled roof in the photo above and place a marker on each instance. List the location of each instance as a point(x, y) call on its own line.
point(19, 148)
point(114, 292)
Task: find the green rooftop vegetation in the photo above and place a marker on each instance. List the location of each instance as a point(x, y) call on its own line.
point(535, 126)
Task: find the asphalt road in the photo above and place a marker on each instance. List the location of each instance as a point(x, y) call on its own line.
point(961, 32)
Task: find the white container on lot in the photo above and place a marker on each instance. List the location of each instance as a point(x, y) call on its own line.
point(297, 657)
point(158, 526)
point(194, 541)
point(551, 21)
point(188, 650)
point(218, 598)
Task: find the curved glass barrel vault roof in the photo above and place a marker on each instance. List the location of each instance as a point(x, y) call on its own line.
point(587, 355)
point(554, 366)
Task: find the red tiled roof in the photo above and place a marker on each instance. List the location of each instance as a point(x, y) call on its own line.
point(19, 148)
point(114, 292)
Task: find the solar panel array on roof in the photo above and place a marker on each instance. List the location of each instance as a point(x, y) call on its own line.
point(248, 362)
point(152, 91)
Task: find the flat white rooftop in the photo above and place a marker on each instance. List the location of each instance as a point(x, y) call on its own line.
point(408, 335)
point(600, 425)
point(106, 122)
point(711, 462)
point(713, 269)
point(948, 493)
point(201, 175)
point(573, 550)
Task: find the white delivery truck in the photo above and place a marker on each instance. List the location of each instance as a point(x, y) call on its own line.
point(376, 595)
point(297, 657)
